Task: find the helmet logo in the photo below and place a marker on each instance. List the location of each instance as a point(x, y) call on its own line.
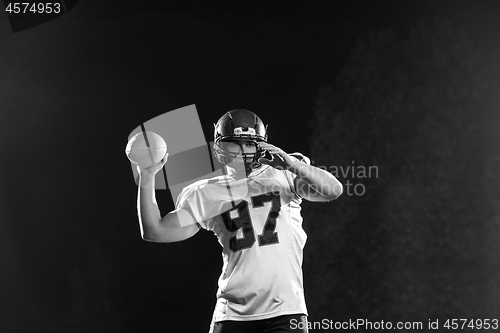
point(244, 131)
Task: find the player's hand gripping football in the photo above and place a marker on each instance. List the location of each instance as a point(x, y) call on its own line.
point(152, 170)
point(279, 158)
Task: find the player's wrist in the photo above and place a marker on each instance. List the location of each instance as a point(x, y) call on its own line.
point(146, 179)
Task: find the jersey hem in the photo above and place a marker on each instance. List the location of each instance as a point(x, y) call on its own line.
point(262, 316)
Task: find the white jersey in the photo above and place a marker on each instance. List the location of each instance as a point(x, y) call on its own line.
point(258, 223)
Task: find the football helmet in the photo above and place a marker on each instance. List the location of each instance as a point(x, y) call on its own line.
point(235, 127)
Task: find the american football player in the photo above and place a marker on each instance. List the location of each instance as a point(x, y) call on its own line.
point(254, 210)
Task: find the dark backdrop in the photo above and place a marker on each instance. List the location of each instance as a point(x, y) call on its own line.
point(71, 255)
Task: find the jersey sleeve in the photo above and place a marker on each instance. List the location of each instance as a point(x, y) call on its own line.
point(290, 176)
point(192, 200)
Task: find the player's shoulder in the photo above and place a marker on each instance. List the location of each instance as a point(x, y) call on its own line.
point(202, 183)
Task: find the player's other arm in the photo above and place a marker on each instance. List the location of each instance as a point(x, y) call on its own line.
point(174, 226)
point(311, 183)
point(315, 184)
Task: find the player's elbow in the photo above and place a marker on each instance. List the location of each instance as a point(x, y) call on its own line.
point(334, 191)
point(152, 233)
point(152, 237)
point(146, 236)
point(338, 189)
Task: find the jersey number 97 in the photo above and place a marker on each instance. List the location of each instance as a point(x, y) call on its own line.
point(243, 221)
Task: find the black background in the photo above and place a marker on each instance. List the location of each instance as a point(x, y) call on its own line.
point(73, 89)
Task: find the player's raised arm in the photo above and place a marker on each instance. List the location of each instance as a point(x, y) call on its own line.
point(315, 184)
point(153, 227)
point(311, 183)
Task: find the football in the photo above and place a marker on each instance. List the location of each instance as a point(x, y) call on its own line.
point(146, 149)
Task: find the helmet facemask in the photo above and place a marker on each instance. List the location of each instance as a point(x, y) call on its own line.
point(237, 154)
point(235, 129)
